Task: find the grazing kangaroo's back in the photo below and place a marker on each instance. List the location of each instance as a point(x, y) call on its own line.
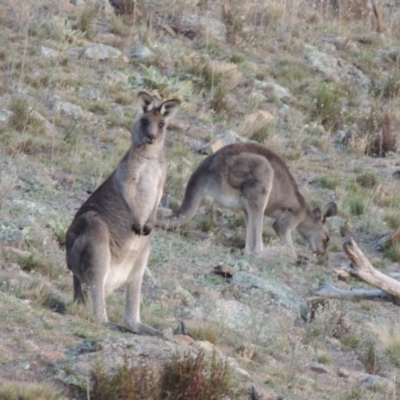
point(251, 178)
point(108, 243)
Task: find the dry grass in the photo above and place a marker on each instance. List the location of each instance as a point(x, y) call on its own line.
point(28, 391)
point(216, 82)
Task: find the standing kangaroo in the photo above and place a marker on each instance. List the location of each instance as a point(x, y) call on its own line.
point(108, 242)
point(252, 178)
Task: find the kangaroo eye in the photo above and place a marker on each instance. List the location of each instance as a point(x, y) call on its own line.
point(161, 124)
point(145, 122)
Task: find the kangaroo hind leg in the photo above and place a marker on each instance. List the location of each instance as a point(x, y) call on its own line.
point(132, 296)
point(254, 176)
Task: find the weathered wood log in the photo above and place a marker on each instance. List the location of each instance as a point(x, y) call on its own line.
point(329, 291)
point(361, 268)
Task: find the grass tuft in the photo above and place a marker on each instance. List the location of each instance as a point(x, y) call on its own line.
point(184, 377)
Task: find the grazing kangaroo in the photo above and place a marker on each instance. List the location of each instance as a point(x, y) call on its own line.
point(108, 242)
point(252, 178)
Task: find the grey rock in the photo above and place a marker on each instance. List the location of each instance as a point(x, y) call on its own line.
point(12, 237)
point(242, 265)
point(76, 52)
point(319, 368)
point(101, 52)
point(142, 53)
point(211, 26)
point(5, 116)
point(273, 91)
point(90, 93)
point(78, 2)
point(371, 381)
point(71, 110)
point(185, 296)
point(106, 6)
point(229, 137)
point(136, 351)
point(46, 52)
point(337, 69)
point(394, 53)
point(279, 293)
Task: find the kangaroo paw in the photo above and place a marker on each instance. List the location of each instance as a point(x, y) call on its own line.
point(137, 228)
point(148, 228)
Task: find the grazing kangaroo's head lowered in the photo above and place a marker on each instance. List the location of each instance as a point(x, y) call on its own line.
point(251, 178)
point(108, 242)
point(315, 228)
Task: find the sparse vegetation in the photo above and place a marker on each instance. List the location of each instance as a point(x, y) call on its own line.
point(185, 377)
point(28, 391)
point(337, 128)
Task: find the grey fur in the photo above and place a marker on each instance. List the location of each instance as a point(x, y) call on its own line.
point(108, 242)
point(251, 178)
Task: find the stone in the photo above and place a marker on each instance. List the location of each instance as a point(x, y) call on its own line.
point(142, 53)
point(90, 93)
point(101, 52)
point(389, 240)
point(5, 116)
point(319, 368)
point(337, 69)
point(46, 52)
point(211, 26)
point(224, 270)
point(274, 91)
point(69, 109)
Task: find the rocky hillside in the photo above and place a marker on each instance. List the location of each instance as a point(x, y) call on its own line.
point(316, 81)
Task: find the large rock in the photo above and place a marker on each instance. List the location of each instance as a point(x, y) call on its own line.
point(337, 69)
point(211, 26)
point(277, 292)
point(273, 91)
point(136, 351)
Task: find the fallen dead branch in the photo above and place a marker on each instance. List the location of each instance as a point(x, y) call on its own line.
point(361, 268)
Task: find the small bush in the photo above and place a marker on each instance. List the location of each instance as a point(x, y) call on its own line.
point(28, 391)
point(323, 319)
point(393, 252)
point(197, 378)
point(184, 377)
point(23, 118)
point(209, 332)
point(392, 219)
point(262, 134)
point(370, 358)
point(354, 202)
point(85, 21)
point(327, 182)
point(389, 337)
point(367, 180)
point(328, 104)
point(350, 341)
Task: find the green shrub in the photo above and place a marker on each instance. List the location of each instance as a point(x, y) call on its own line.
point(355, 203)
point(327, 107)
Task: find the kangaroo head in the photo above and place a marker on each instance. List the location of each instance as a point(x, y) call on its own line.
point(151, 126)
point(316, 231)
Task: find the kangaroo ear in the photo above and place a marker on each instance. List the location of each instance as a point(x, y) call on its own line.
point(169, 108)
point(329, 210)
point(146, 101)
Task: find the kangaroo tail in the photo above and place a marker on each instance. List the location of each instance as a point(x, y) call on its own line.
point(189, 206)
